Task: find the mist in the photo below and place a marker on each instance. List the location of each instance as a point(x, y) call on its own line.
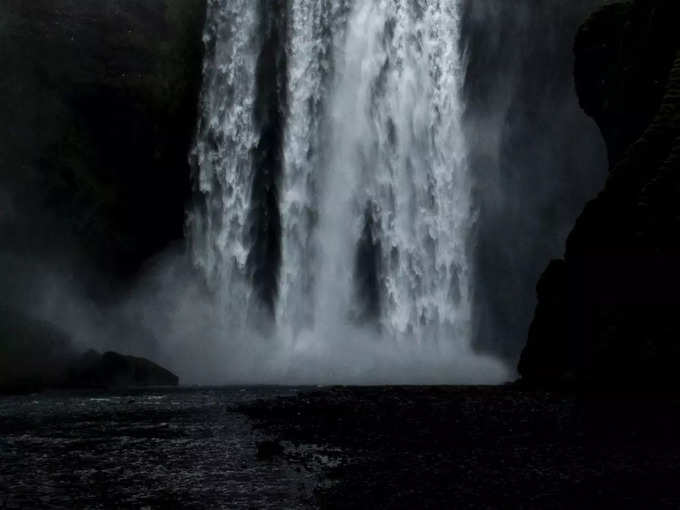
point(174, 318)
point(531, 160)
point(339, 253)
point(535, 156)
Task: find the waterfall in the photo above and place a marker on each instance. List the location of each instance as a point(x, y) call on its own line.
point(222, 156)
point(333, 209)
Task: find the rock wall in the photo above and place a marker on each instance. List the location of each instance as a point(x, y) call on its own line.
point(607, 312)
point(535, 155)
point(97, 116)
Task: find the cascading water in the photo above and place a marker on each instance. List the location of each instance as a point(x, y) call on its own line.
point(223, 151)
point(333, 198)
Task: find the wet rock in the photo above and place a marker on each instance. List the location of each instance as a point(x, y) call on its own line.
point(267, 450)
point(35, 355)
point(607, 313)
point(111, 369)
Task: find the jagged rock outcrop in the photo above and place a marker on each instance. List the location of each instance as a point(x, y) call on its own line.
point(111, 370)
point(35, 355)
point(607, 313)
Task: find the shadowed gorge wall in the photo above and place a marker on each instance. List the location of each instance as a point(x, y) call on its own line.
point(607, 312)
point(535, 156)
point(98, 111)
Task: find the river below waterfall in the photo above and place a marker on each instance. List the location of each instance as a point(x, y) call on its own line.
point(141, 449)
point(342, 447)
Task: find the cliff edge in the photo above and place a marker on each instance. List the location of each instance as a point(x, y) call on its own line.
point(607, 311)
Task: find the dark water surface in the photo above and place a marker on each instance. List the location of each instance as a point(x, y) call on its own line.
point(339, 448)
point(141, 449)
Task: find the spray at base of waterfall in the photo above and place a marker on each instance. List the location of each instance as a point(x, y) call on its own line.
point(333, 214)
point(196, 341)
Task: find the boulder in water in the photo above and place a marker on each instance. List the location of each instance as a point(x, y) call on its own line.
point(94, 370)
point(36, 355)
point(267, 450)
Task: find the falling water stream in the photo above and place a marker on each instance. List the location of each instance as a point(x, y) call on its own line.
point(333, 214)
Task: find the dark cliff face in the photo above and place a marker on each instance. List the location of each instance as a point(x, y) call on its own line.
point(98, 111)
point(625, 52)
point(536, 158)
point(607, 313)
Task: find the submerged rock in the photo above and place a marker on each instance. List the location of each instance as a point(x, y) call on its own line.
point(267, 450)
